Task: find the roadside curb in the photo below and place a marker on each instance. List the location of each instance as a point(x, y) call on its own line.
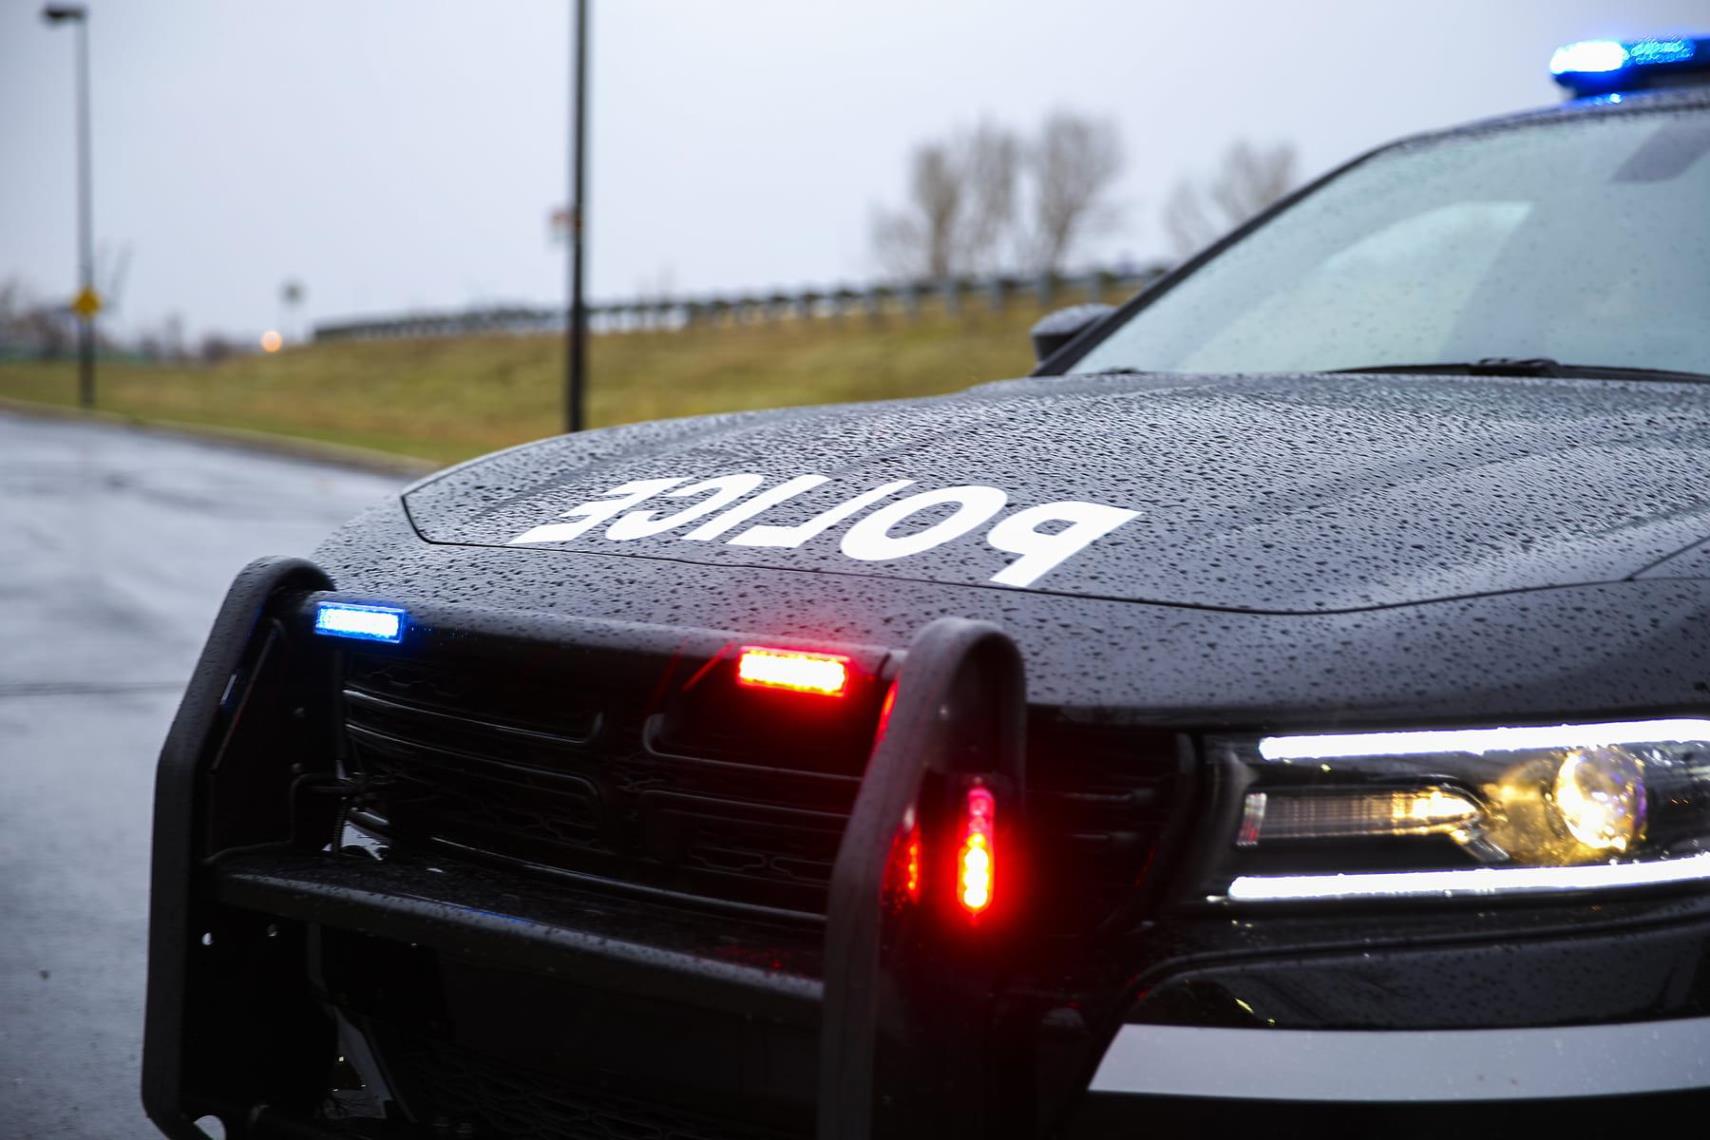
point(289, 447)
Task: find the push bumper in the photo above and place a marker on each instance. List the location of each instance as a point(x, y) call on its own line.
point(270, 957)
point(272, 951)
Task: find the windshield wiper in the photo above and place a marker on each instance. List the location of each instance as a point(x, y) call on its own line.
point(1530, 366)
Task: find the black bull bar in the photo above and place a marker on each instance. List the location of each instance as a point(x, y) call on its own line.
point(918, 1034)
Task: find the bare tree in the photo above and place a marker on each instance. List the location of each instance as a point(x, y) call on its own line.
point(291, 296)
point(172, 337)
point(991, 160)
point(965, 202)
point(216, 347)
point(1248, 180)
point(33, 327)
point(1073, 163)
point(961, 200)
point(919, 239)
point(163, 340)
point(13, 302)
point(111, 269)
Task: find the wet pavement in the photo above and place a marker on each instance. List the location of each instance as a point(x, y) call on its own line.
point(116, 547)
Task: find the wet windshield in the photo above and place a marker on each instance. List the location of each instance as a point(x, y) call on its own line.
point(1586, 241)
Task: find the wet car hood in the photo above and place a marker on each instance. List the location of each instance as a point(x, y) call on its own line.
point(1274, 493)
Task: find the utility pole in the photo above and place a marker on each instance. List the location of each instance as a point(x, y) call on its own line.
point(87, 303)
point(576, 333)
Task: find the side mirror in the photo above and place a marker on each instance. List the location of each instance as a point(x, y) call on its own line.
point(1054, 330)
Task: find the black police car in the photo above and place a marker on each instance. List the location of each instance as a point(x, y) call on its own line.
point(1288, 709)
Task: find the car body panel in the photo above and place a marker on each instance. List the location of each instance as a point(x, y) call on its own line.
point(1532, 653)
point(1275, 493)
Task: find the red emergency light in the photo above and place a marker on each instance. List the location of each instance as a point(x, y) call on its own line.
point(976, 856)
point(795, 670)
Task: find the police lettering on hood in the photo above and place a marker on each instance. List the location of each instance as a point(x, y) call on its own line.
point(727, 507)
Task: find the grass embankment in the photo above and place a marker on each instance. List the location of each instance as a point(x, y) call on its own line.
point(447, 399)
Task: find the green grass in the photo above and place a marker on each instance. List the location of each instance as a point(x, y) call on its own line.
point(447, 399)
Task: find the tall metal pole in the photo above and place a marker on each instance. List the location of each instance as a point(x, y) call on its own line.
point(85, 223)
point(576, 367)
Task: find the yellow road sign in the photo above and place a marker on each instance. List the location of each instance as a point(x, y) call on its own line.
point(86, 304)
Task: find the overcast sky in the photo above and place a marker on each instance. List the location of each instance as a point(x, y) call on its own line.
point(399, 154)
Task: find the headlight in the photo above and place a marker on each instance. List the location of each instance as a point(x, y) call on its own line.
point(1435, 813)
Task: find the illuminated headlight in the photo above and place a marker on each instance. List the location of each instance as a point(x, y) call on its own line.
point(1487, 811)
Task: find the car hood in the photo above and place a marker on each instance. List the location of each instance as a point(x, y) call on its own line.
point(1271, 493)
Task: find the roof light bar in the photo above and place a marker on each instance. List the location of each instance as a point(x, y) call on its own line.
point(1602, 67)
point(1589, 57)
point(360, 623)
point(1677, 50)
point(826, 674)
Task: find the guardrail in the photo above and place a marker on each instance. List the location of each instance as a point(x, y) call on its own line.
point(877, 301)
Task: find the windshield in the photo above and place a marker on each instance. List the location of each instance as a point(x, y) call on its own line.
point(1585, 240)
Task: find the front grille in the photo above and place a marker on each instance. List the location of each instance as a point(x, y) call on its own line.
point(453, 1088)
point(529, 761)
point(593, 787)
point(1101, 796)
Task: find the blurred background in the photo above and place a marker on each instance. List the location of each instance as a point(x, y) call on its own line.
point(347, 221)
point(340, 230)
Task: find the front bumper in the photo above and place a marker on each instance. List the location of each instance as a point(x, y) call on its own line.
point(1399, 1067)
point(295, 991)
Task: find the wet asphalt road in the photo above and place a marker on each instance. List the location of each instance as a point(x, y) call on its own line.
point(115, 549)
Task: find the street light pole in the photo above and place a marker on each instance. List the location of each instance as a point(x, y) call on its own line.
point(576, 346)
point(87, 302)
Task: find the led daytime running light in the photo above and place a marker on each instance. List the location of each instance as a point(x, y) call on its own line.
point(1352, 745)
point(1472, 881)
point(1533, 809)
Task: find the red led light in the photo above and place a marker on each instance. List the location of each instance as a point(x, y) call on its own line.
point(976, 857)
point(903, 872)
point(911, 865)
point(889, 703)
point(826, 674)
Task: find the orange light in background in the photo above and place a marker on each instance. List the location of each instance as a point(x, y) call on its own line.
point(271, 341)
point(826, 674)
point(976, 859)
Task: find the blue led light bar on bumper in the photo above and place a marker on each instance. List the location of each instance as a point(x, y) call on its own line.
point(1605, 67)
point(360, 623)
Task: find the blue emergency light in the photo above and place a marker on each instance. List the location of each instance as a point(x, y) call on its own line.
point(1606, 67)
point(360, 623)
